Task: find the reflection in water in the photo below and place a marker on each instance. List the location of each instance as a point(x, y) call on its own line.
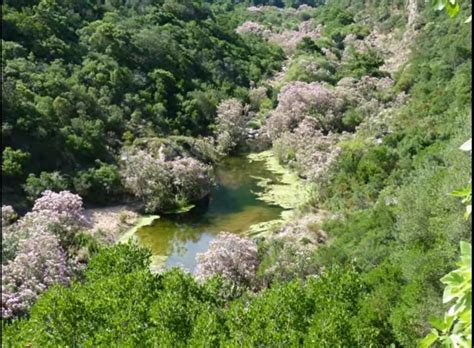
point(232, 207)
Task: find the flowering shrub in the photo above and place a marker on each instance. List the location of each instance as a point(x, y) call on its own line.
point(164, 183)
point(289, 39)
point(253, 28)
point(257, 96)
point(299, 99)
point(63, 207)
point(307, 149)
point(231, 120)
point(147, 178)
point(39, 263)
point(56, 213)
point(191, 178)
point(230, 256)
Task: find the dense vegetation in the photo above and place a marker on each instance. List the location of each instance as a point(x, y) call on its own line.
point(379, 150)
point(80, 80)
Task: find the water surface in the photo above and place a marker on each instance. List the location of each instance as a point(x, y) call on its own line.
point(232, 207)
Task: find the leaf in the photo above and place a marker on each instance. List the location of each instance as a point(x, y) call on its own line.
point(438, 5)
point(468, 212)
point(468, 20)
point(453, 10)
point(467, 146)
point(453, 278)
point(438, 323)
point(462, 192)
point(429, 339)
point(466, 249)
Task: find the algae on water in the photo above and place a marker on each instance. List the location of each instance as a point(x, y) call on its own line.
point(289, 192)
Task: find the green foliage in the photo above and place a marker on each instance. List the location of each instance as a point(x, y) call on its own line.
point(454, 330)
point(117, 260)
point(362, 63)
point(466, 195)
point(121, 303)
point(14, 161)
point(54, 181)
point(99, 184)
point(452, 7)
point(79, 79)
point(396, 216)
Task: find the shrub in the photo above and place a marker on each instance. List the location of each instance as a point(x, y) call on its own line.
point(117, 261)
point(64, 208)
point(53, 181)
point(230, 127)
point(297, 100)
point(232, 257)
point(39, 263)
point(164, 184)
point(307, 150)
point(14, 161)
point(100, 184)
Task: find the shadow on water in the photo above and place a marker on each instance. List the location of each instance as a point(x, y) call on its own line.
point(231, 207)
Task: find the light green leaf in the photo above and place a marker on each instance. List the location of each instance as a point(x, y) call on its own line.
point(453, 279)
point(466, 191)
point(453, 10)
point(438, 5)
point(467, 146)
point(438, 323)
point(429, 339)
point(466, 248)
point(468, 212)
point(468, 20)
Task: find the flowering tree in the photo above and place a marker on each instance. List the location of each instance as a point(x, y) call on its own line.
point(307, 149)
point(253, 28)
point(35, 251)
point(299, 99)
point(231, 121)
point(232, 257)
point(257, 96)
point(191, 178)
point(164, 183)
point(289, 39)
point(148, 179)
point(39, 263)
point(56, 213)
point(64, 207)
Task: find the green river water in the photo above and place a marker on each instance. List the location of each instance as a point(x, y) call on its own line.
point(174, 240)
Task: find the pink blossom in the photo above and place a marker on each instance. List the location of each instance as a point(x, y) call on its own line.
point(230, 128)
point(165, 182)
point(40, 263)
point(300, 99)
point(253, 28)
point(232, 257)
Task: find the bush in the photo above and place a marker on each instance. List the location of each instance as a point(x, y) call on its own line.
point(233, 258)
point(54, 181)
point(14, 161)
point(101, 184)
point(162, 184)
point(230, 125)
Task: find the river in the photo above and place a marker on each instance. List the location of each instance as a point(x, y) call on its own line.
point(174, 240)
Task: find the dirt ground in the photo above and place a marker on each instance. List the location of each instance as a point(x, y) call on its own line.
point(110, 222)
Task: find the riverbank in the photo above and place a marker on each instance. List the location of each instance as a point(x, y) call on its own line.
point(108, 224)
